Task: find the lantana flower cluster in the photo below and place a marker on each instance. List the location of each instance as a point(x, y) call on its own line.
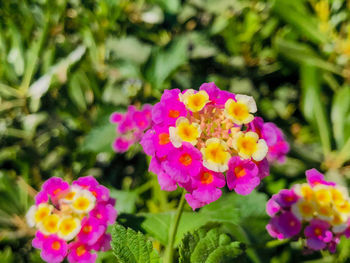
point(131, 126)
point(71, 220)
point(198, 136)
point(317, 211)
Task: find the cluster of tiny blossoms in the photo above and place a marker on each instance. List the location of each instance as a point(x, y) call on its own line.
point(197, 136)
point(318, 211)
point(131, 126)
point(71, 220)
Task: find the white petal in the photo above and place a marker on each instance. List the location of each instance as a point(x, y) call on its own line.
point(261, 151)
point(249, 101)
point(174, 138)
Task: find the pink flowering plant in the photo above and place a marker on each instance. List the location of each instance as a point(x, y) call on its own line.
point(317, 212)
point(131, 126)
point(71, 220)
point(204, 140)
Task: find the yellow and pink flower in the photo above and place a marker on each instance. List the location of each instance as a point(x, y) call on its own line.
point(322, 207)
point(77, 213)
point(195, 130)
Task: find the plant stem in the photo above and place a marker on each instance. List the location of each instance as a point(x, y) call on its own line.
point(169, 251)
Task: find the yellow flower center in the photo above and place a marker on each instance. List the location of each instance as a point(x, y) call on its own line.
point(344, 207)
point(196, 102)
point(50, 223)
point(323, 196)
point(306, 209)
point(216, 153)
point(306, 192)
point(81, 203)
point(67, 226)
point(337, 196)
point(237, 110)
point(247, 145)
point(187, 132)
point(325, 210)
point(70, 196)
point(41, 213)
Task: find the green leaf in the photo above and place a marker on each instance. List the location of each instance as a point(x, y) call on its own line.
point(132, 247)
point(294, 13)
point(164, 62)
point(76, 91)
point(129, 48)
point(312, 106)
point(303, 54)
point(100, 138)
point(230, 208)
point(340, 116)
point(208, 246)
point(126, 200)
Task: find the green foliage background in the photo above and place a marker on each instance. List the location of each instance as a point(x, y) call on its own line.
point(65, 65)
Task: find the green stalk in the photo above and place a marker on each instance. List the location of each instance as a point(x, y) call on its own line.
point(169, 251)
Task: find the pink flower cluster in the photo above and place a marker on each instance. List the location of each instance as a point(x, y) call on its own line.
point(317, 211)
point(199, 136)
point(131, 126)
point(71, 220)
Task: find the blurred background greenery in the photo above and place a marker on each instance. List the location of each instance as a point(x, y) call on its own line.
point(65, 65)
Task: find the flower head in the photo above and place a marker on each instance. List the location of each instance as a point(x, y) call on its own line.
point(79, 214)
point(322, 207)
point(196, 130)
point(131, 126)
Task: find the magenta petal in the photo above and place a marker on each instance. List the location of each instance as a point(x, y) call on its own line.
point(193, 203)
point(315, 244)
point(272, 207)
point(314, 177)
point(206, 195)
point(116, 117)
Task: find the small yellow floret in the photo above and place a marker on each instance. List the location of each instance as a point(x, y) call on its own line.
point(343, 208)
point(69, 227)
point(83, 202)
point(195, 101)
point(50, 224)
point(338, 195)
point(303, 209)
point(305, 191)
point(215, 155)
point(184, 132)
point(248, 145)
point(42, 212)
point(322, 195)
point(239, 111)
point(325, 212)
